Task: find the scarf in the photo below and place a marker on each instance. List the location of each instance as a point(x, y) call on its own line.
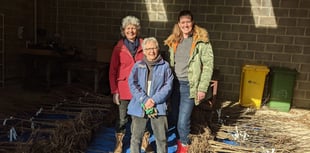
point(132, 46)
point(150, 65)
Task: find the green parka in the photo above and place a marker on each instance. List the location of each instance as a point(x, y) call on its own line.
point(200, 64)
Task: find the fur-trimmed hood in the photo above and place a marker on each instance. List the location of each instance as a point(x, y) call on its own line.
point(199, 34)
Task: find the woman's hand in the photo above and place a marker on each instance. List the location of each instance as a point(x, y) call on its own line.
point(201, 95)
point(149, 103)
point(116, 99)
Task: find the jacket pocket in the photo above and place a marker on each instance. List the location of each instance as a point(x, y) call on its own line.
point(121, 78)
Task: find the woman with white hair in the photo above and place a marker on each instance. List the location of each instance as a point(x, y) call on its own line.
point(150, 83)
point(127, 51)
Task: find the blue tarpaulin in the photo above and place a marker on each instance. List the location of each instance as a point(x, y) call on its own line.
point(104, 141)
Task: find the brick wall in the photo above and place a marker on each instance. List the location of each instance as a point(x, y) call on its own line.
point(17, 13)
point(269, 32)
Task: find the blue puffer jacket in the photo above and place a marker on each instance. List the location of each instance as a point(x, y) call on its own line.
point(160, 90)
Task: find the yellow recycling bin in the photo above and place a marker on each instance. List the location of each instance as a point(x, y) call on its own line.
point(252, 85)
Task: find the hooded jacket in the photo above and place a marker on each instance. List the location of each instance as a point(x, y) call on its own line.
point(120, 66)
point(200, 64)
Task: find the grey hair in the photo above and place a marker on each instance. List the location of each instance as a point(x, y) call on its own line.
point(149, 39)
point(130, 20)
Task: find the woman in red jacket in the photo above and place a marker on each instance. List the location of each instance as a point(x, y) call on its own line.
point(127, 51)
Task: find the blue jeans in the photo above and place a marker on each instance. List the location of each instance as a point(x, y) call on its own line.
point(182, 107)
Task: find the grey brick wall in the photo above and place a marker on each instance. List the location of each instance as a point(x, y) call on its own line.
point(273, 33)
point(17, 13)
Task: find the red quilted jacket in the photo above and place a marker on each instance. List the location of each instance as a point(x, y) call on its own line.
point(120, 68)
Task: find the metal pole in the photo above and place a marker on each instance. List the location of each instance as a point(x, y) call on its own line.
point(35, 22)
point(2, 52)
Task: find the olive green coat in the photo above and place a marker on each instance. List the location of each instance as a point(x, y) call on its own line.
point(200, 64)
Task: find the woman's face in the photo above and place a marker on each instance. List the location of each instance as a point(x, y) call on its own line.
point(130, 32)
point(186, 24)
point(151, 51)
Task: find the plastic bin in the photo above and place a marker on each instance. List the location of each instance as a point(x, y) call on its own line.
point(252, 85)
point(282, 88)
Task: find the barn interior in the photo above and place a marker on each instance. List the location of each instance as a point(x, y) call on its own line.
point(54, 61)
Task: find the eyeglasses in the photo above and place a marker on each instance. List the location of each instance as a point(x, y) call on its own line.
point(149, 49)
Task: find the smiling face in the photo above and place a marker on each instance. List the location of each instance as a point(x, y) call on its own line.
point(151, 51)
point(186, 25)
point(130, 32)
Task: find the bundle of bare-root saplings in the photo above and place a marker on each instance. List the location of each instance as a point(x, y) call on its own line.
point(65, 123)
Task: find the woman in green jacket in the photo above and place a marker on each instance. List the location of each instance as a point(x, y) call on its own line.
point(191, 58)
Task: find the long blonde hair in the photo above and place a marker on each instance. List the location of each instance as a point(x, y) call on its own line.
point(175, 37)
